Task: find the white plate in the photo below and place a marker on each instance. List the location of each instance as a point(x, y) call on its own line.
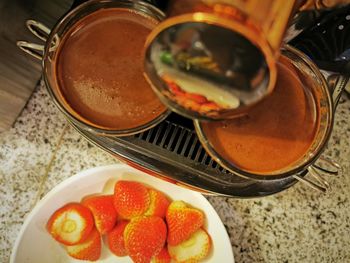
point(35, 245)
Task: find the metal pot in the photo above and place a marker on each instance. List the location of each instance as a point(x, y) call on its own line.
point(48, 54)
point(326, 102)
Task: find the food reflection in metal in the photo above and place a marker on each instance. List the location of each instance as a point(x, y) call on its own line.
point(214, 69)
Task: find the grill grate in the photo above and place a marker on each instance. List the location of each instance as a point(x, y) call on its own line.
point(181, 141)
point(174, 140)
point(172, 149)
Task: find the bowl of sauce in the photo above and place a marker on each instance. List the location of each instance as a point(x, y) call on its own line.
point(93, 67)
point(281, 135)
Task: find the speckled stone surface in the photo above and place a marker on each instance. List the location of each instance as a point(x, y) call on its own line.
point(297, 225)
point(74, 155)
point(25, 151)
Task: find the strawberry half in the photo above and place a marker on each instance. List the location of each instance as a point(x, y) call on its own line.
point(70, 224)
point(162, 257)
point(144, 238)
point(115, 239)
point(103, 211)
point(90, 249)
point(182, 222)
point(194, 249)
point(131, 199)
point(158, 204)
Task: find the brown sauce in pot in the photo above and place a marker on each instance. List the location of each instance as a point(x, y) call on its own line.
point(275, 133)
point(99, 70)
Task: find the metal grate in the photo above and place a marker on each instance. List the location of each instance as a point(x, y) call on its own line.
point(181, 141)
point(172, 149)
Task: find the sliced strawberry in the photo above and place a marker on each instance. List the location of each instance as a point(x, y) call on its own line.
point(194, 249)
point(70, 224)
point(144, 238)
point(115, 239)
point(90, 249)
point(162, 257)
point(175, 89)
point(196, 98)
point(210, 106)
point(103, 210)
point(131, 199)
point(182, 222)
point(158, 204)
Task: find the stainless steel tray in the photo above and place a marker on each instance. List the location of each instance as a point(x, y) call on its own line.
point(172, 150)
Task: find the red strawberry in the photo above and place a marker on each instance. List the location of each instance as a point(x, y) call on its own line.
point(210, 106)
point(196, 97)
point(182, 222)
point(162, 257)
point(158, 204)
point(144, 238)
point(130, 199)
point(103, 210)
point(115, 239)
point(70, 224)
point(90, 249)
point(174, 88)
point(194, 249)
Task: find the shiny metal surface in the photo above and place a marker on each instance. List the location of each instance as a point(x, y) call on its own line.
point(213, 59)
point(202, 70)
point(40, 31)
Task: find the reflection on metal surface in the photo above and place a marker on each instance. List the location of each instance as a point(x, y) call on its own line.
point(220, 54)
point(215, 69)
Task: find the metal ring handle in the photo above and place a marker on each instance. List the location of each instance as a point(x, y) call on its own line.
point(38, 29)
point(336, 168)
point(337, 84)
point(316, 172)
point(316, 186)
point(35, 50)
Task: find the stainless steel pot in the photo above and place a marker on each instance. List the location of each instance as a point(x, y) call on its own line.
point(47, 53)
point(326, 102)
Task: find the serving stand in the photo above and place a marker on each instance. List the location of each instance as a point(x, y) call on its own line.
point(172, 150)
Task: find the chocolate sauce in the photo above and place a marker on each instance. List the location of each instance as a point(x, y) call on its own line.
point(275, 133)
point(99, 70)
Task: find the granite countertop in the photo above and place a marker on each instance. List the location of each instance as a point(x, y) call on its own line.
point(297, 225)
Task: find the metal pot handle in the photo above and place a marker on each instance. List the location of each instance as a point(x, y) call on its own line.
point(40, 31)
point(317, 172)
point(337, 84)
